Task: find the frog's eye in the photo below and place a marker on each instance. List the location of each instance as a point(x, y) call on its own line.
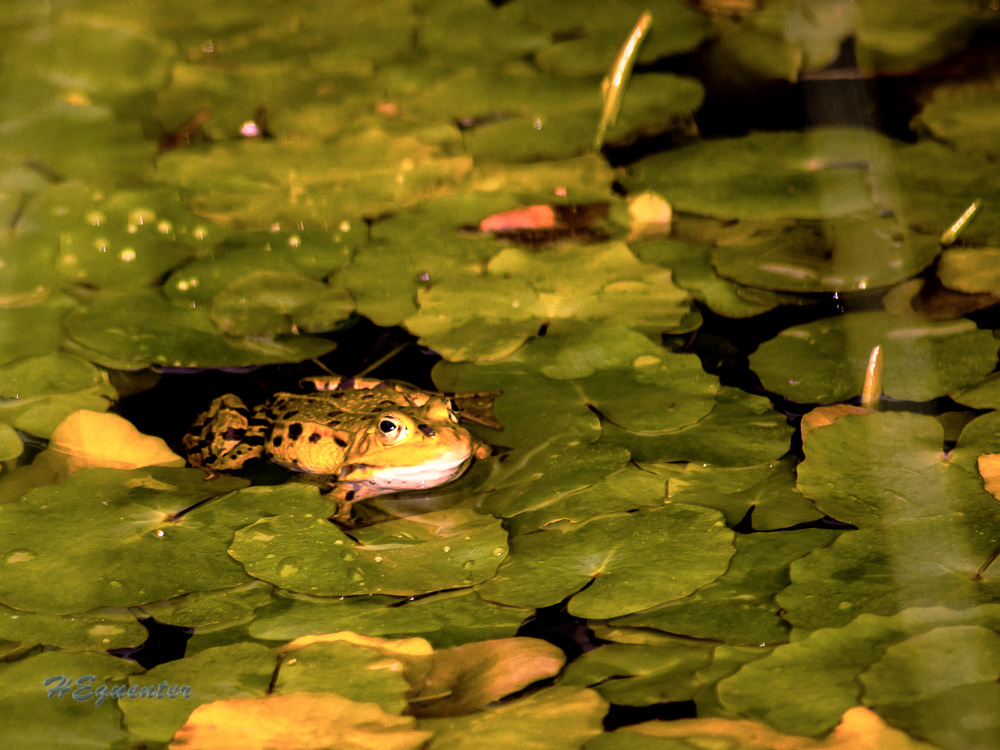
point(391, 429)
point(452, 410)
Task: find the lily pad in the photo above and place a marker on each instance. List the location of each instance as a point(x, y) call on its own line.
point(312, 184)
point(970, 270)
point(521, 292)
point(741, 430)
point(628, 675)
point(108, 536)
point(567, 485)
point(554, 718)
point(100, 630)
point(446, 619)
point(210, 607)
point(155, 331)
point(814, 175)
point(273, 303)
point(964, 115)
point(62, 720)
point(957, 677)
point(312, 254)
point(604, 565)
point(362, 674)
point(286, 722)
point(834, 256)
point(825, 361)
point(308, 554)
point(468, 678)
point(692, 271)
point(739, 607)
point(239, 671)
point(617, 372)
point(926, 523)
point(822, 669)
point(32, 331)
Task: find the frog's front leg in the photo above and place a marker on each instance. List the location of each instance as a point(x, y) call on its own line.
point(225, 436)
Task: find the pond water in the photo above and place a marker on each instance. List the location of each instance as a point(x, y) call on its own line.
point(660, 241)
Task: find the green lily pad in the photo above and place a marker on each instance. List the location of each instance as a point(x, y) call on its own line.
point(812, 175)
point(43, 390)
point(693, 272)
point(11, 445)
point(240, 671)
point(34, 720)
point(100, 630)
point(210, 607)
point(769, 490)
point(530, 116)
point(741, 430)
point(739, 607)
point(822, 669)
point(984, 394)
point(964, 115)
point(312, 254)
point(521, 291)
point(311, 184)
point(834, 256)
point(108, 536)
point(906, 36)
point(970, 270)
point(308, 554)
point(32, 331)
point(143, 328)
point(79, 142)
point(956, 677)
point(926, 523)
point(446, 619)
point(273, 303)
point(605, 564)
point(825, 361)
point(532, 489)
point(555, 718)
point(619, 373)
point(357, 672)
point(640, 675)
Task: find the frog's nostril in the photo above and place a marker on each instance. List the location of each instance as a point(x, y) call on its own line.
point(426, 430)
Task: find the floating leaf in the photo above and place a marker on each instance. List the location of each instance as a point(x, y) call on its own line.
point(834, 256)
point(154, 330)
point(296, 720)
point(109, 536)
point(467, 678)
point(272, 303)
point(100, 630)
point(106, 440)
point(521, 292)
point(605, 564)
point(310, 554)
point(445, 619)
point(210, 607)
point(970, 270)
point(243, 670)
point(825, 361)
point(813, 175)
point(738, 607)
point(60, 721)
point(639, 675)
point(822, 669)
point(554, 718)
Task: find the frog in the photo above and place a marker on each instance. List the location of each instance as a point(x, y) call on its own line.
point(365, 437)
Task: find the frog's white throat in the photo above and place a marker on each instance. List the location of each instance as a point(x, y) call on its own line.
point(422, 476)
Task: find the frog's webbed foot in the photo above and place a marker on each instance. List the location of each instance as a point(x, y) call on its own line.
point(344, 496)
point(225, 436)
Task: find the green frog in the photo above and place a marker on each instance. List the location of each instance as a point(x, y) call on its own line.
point(370, 437)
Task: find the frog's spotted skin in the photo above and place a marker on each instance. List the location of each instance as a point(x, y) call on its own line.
point(369, 437)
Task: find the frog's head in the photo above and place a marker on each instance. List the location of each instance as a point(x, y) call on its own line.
point(411, 449)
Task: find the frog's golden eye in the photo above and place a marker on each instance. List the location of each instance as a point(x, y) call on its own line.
point(391, 429)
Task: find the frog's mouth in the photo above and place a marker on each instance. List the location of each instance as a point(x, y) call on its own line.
point(428, 474)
